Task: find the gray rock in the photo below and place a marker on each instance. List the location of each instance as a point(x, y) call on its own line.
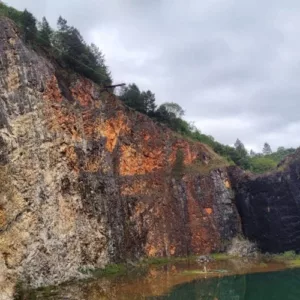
point(204, 259)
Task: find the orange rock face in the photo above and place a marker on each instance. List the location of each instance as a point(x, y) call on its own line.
point(86, 181)
point(165, 216)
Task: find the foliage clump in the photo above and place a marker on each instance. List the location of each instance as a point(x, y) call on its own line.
point(65, 43)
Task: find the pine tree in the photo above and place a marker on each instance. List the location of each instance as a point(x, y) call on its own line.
point(131, 95)
point(239, 146)
point(62, 24)
point(76, 54)
point(44, 33)
point(28, 22)
point(148, 99)
point(98, 63)
point(267, 149)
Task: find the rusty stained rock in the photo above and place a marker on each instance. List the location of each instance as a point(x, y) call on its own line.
point(86, 181)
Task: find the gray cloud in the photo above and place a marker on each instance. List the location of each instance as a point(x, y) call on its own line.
point(233, 65)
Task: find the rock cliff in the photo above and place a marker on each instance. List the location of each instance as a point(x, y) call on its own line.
point(269, 206)
point(86, 181)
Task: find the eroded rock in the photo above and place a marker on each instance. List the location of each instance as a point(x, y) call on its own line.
point(86, 181)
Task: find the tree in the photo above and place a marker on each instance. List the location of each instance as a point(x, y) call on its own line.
point(29, 26)
point(163, 115)
point(44, 33)
point(142, 101)
point(98, 61)
point(240, 157)
point(77, 55)
point(252, 153)
point(267, 149)
point(174, 108)
point(62, 24)
point(148, 99)
point(240, 148)
point(169, 113)
point(239, 145)
point(131, 96)
point(280, 149)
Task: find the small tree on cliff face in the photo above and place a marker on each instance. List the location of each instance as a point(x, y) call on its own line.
point(178, 167)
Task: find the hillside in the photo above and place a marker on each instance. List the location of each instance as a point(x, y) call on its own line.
point(67, 48)
point(87, 181)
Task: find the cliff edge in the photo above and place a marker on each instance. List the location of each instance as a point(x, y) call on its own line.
point(86, 181)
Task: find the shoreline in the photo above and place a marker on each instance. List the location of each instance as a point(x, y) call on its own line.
point(156, 277)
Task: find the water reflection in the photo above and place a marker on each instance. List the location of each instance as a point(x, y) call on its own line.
point(185, 280)
point(283, 285)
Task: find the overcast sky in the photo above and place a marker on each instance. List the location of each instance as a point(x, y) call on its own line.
point(233, 65)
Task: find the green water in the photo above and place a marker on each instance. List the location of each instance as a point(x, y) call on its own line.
point(283, 285)
point(231, 279)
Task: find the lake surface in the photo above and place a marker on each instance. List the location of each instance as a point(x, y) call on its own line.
point(283, 285)
point(224, 280)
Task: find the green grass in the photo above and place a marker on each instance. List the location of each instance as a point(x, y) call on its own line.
point(221, 256)
point(288, 255)
point(156, 261)
point(201, 168)
point(111, 269)
point(291, 258)
point(263, 265)
point(294, 262)
point(195, 272)
point(166, 260)
point(120, 269)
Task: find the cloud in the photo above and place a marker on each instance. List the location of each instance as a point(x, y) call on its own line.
point(232, 65)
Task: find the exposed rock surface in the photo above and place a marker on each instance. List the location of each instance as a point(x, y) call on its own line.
point(241, 247)
point(86, 181)
point(269, 206)
point(203, 259)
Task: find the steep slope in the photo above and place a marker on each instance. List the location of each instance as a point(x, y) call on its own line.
point(85, 181)
point(269, 206)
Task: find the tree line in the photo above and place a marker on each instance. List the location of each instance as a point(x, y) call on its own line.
point(65, 43)
point(264, 161)
point(171, 114)
point(70, 50)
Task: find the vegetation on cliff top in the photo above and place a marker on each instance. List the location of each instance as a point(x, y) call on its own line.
point(70, 50)
point(65, 44)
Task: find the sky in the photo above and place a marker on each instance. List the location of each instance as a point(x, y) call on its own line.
point(233, 65)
